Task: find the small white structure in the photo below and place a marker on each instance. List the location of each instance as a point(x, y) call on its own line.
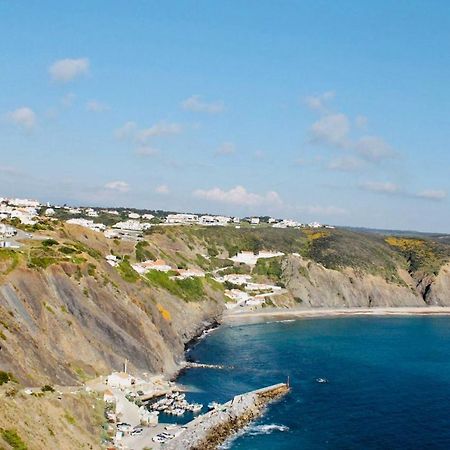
point(145, 266)
point(23, 203)
point(181, 218)
point(112, 260)
point(133, 215)
point(214, 220)
point(132, 225)
point(109, 397)
point(7, 231)
point(98, 227)
point(254, 220)
point(188, 273)
point(251, 259)
point(49, 212)
point(148, 216)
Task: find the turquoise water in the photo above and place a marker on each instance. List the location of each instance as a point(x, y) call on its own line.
point(389, 381)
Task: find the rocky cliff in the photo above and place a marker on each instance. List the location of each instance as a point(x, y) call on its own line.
point(66, 315)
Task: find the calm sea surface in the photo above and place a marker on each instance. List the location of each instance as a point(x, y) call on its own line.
point(388, 381)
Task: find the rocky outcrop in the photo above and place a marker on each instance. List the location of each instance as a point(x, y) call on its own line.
point(314, 286)
point(61, 329)
point(436, 291)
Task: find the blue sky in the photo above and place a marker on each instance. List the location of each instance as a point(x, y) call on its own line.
point(314, 110)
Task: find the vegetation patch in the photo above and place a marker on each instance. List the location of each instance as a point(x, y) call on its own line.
point(5, 377)
point(127, 272)
point(189, 289)
point(142, 252)
point(270, 268)
point(9, 259)
point(422, 255)
point(13, 439)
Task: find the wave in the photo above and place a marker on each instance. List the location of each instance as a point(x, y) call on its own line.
point(282, 321)
point(253, 430)
point(266, 429)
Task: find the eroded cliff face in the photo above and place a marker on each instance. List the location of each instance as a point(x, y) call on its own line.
point(314, 286)
point(60, 329)
point(79, 317)
point(436, 290)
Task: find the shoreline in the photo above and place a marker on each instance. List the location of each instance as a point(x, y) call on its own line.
point(262, 315)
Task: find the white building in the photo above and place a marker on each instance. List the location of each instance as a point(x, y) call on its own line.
point(182, 218)
point(214, 220)
point(132, 225)
point(112, 260)
point(314, 225)
point(144, 267)
point(251, 259)
point(99, 227)
point(148, 216)
point(7, 231)
point(133, 215)
point(49, 212)
point(109, 397)
point(254, 220)
point(23, 203)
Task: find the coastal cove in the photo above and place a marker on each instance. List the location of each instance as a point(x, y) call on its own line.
point(387, 380)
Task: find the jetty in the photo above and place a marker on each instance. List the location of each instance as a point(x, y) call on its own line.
point(212, 429)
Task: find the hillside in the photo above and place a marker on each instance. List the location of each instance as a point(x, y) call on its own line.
point(67, 316)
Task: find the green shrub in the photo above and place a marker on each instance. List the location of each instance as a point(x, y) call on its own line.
point(49, 242)
point(68, 250)
point(5, 377)
point(270, 268)
point(142, 253)
point(127, 272)
point(13, 439)
point(41, 262)
point(47, 388)
point(189, 289)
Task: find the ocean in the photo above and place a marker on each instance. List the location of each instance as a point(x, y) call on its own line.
point(388, 381)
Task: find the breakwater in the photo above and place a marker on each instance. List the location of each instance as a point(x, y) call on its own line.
point(209, 430)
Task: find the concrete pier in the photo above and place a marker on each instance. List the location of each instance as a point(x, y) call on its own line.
point(210, 430)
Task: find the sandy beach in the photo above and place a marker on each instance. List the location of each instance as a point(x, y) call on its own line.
point(285, 314)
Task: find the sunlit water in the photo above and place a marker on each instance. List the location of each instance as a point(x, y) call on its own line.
point(388, 381)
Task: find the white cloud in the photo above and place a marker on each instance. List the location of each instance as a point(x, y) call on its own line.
point(159, 129)
point(162, 189)
point(227, 148)
point(119, 186)
point(383, 187)
point(318, 102)
point(432, 194)
point(196, 104)
point(146, 150)
point(239, 196)
point(374, 148)
point(126, 131)
point(130, 131)
point(345, 164)
point(24, 118)
point(66, 70)
point(331, 129)
point(96, 106)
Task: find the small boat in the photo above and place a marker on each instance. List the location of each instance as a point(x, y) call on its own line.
point(213, 405)
point(196, 407)
point(321, 380)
